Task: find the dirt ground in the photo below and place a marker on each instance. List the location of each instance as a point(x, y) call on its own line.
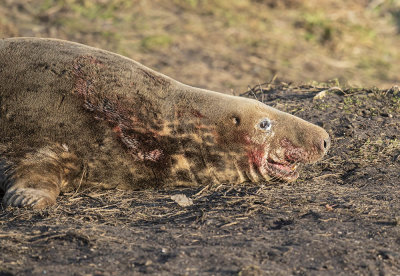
point(341, 217)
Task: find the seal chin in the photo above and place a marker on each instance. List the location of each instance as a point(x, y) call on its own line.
point(279, 170)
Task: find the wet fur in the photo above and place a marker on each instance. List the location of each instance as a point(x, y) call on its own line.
point(71, 113)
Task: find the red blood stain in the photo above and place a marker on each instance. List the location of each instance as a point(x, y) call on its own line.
point(142, 145)
point(256, 156)
point(247, 139)
point(117, 129)
point(193, 112)
point(293, 153)
point(197, 113)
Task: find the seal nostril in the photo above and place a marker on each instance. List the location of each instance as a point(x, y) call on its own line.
point(327, 144)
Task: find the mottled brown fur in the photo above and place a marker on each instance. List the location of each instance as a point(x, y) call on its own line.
point(71, 114)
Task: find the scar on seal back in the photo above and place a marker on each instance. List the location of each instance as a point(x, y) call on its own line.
point(73, 115)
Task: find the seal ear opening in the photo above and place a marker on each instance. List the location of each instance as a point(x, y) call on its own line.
point(236, 120)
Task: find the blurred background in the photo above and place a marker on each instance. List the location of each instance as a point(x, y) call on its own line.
point(228, 45)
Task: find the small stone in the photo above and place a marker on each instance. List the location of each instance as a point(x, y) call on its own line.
point(182, 200)
point(321, 95)
point(324, 93)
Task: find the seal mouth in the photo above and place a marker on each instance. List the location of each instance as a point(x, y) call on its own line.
point(280, 170)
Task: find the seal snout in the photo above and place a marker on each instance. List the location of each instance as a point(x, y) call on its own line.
point(314, 143)
point(323, 142)
point(307, 144)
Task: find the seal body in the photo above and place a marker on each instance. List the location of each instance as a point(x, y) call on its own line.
point(73, 115)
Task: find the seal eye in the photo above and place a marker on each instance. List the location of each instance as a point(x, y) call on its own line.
point(265, 124)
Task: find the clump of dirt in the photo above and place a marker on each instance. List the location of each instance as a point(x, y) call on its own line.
point(341, 216)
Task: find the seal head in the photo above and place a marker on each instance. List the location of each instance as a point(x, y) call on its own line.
point(274, 143)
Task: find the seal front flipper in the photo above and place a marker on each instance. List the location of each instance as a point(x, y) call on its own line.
point(37, 179)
